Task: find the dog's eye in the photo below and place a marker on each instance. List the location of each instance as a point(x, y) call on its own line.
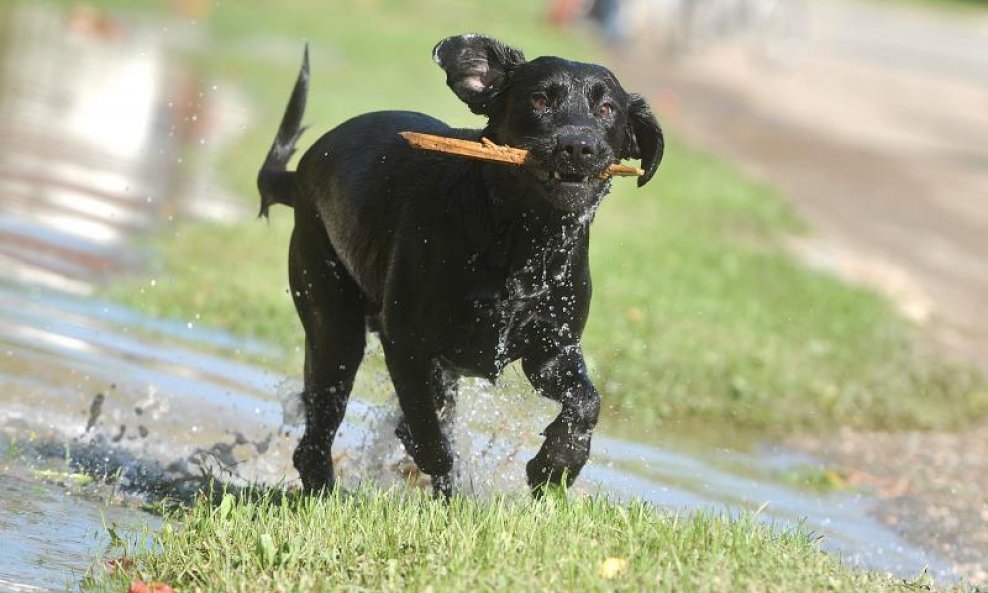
point(540, 102)
point(605, 110)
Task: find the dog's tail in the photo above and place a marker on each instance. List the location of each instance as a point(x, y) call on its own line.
point(276, 184)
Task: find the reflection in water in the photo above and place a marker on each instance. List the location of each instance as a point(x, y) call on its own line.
point(85, 170)
point(92, 119)
point(79, 115)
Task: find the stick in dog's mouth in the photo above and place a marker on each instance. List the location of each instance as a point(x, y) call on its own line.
point(486, 150)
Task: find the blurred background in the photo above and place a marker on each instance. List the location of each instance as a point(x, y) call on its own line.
point(790, 315)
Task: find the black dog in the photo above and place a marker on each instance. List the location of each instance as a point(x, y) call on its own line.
point(461, 266)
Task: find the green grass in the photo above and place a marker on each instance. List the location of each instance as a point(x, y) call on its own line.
point(700, 318)
point(699, 314)
point(953, 5)
point(405, 541)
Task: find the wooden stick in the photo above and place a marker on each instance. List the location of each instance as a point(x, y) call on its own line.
point(486, 150)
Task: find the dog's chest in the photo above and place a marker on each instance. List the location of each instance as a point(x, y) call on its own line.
point(513, 316)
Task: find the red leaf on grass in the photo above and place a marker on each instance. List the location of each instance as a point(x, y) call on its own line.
point(152, 587)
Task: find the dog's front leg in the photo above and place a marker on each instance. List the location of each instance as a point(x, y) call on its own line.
point(562, 376)
point(411, 373)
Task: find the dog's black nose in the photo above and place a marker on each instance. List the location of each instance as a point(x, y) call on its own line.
point(580, 149)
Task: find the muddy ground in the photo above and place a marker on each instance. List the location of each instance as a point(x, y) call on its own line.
point(931, 486)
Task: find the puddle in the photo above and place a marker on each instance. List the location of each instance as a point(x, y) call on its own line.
point(52, 533)
point(160, 406)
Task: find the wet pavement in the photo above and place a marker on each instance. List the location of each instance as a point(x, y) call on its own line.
point(93, 116)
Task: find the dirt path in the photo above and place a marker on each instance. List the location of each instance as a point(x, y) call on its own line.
point(879, 136)
point(887, 159)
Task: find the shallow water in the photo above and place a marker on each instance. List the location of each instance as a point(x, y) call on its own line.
point(52, 533)
point(159, 404)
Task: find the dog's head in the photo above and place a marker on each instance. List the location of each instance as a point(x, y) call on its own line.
point(574, 118)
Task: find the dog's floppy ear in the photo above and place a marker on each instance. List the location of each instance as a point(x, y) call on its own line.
point(477, 68)
point(645, 139)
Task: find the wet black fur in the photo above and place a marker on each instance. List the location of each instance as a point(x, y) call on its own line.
point(461, 266)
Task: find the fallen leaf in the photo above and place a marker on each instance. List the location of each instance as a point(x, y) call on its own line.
point(152, 587)
point(612, 568)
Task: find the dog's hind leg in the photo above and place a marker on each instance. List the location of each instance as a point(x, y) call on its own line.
point(331, 309)
point(562, 376)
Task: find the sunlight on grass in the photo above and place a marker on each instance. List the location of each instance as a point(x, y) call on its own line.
point(405, 541)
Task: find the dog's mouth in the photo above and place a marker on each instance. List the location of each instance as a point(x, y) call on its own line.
point(570, 191)
point(558, 177)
